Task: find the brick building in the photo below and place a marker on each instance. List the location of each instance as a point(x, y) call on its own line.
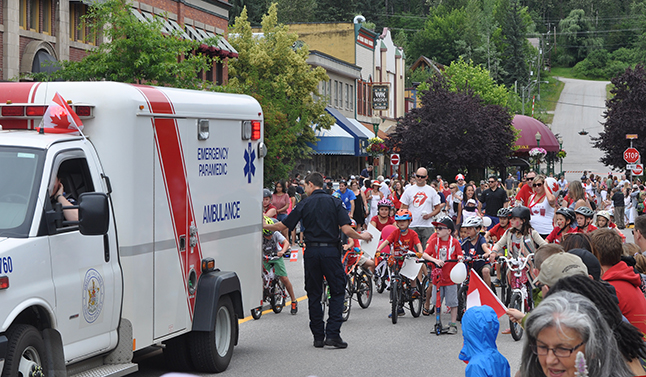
point(35, 31)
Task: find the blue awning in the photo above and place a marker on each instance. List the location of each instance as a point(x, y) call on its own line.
point(360, 138)
point(334, 141)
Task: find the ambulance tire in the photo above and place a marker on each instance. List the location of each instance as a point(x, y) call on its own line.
point(177, 354)
point(25, 351)
point(212, 350)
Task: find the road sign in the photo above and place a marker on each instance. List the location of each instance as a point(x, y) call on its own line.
point(394, 159)
point(631, 155)
point(631, 136)
point(631, 166)
point(638, 170)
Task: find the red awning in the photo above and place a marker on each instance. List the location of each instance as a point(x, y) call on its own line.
point(528, 128)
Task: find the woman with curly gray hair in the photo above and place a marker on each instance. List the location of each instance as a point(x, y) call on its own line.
point(564, 324)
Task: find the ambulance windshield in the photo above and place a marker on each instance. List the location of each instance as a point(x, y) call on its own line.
point(20, 176)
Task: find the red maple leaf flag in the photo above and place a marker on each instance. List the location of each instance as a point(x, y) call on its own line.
point(60, 118)
point(479, 294)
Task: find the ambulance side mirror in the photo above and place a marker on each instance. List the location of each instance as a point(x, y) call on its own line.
point(94, 214)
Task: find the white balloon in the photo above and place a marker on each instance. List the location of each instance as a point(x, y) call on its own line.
point(486, 221)
point(459, 273)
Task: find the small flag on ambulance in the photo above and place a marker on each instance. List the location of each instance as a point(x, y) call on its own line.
point(480, 294)
point(60, 118)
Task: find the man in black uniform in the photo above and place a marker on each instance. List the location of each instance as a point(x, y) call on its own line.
point(322, 216)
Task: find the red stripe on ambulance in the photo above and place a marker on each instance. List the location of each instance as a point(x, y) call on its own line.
point(19, 92)
point(171, 157)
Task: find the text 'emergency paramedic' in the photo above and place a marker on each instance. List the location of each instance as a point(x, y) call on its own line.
point(217, 168)
point(221, 212)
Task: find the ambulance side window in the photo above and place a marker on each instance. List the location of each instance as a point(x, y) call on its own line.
point(74, 175)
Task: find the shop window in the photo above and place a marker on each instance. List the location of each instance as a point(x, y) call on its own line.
point(351, 97)
point(336, 93)
point(347, 96)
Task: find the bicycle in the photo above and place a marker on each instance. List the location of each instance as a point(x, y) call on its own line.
point(401, 289)
point(382, 274)
point(347, 300)
point(521, 298)
point(434, 277)
point(273, 290)
point(464, 287)
point(357, 279)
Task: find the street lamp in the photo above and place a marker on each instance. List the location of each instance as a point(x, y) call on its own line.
point(538, 145)
point(560, 139)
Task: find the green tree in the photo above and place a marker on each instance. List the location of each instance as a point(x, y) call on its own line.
point(278, 76)
point(576, 29)
point(296, 11)
point(462, 75)
point(138, 52)
point(335, 11)
point(514, 51)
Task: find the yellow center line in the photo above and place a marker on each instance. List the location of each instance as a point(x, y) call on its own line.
point(240, 321)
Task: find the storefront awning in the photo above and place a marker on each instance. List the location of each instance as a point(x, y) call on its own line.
point(360, 137)
point(222, 48)
point(528, 128)
point(334, 141)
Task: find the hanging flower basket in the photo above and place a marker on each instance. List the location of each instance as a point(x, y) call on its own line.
point(561, 154)
point(537, 154)
point(376, 147)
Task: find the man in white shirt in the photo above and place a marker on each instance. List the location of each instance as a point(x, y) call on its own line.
point(384, 187)
point(424, 203)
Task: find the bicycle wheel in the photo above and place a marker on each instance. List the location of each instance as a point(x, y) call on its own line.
point(347, 302)
point(516, 328)
point(257, 312)
point(462, 300)
point(395, 294)
point(364, 290)
point(277, 298)
point(380, 280)
point(416, 304)
point(324, 297)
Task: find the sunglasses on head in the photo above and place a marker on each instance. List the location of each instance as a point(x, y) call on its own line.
point(537, 184)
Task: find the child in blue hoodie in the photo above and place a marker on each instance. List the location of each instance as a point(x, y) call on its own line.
point(480, 328)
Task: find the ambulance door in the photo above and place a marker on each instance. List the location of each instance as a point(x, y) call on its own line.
point(85, 269)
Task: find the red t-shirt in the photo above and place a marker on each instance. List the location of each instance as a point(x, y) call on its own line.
point(270, 206)
point(555, 237)
point(379, 225)
point(524, 194)
point(402, 243)
point(590, 228)
point(444, 250)
point(497, 231)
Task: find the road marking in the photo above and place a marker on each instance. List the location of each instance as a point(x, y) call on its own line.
point(240, 321)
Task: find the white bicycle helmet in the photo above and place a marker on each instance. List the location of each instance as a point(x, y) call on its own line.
point(472, 222)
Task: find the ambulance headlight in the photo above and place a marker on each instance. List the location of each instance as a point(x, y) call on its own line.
point(203, 129)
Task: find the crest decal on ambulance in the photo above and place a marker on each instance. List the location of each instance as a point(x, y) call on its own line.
point(93, 295)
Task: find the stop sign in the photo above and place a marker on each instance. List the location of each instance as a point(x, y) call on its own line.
point(631, 155)
point(638, 170)
point(394, 159)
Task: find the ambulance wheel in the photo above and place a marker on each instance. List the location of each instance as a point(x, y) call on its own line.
point(212, 350)
point(177, 354)
point(257, 312)
point(25, 352)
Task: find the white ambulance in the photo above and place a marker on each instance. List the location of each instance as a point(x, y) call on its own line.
point(166, 250)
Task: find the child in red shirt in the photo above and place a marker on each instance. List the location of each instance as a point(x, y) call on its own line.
point(383, 217)
point(564, 218)
point(495, 233)
point(443, 246)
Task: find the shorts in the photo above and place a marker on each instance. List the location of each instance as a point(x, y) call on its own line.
point(448, 293)
point(478, 268)
point(424, 233)
point(279, 267)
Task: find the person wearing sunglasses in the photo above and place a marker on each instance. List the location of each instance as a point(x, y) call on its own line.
point(542, 205)
point(563, 325)
point(424, 203)
point(494, 198)
point(527, 190)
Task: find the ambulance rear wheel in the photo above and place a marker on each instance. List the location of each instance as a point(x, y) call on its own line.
point(25, 352)
point(212, 350)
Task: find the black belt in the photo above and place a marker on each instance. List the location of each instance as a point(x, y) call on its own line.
point(322, 244)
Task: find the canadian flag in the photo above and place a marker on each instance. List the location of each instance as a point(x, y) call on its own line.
point(479, 294)
point(60, 118)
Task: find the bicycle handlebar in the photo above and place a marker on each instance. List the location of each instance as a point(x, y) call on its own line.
point(516, 263)
point(270, 258)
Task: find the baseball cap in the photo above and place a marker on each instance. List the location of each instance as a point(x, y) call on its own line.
point(559, 266)
point(471, 201)
point(590, 261)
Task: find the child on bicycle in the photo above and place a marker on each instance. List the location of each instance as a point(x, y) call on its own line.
point(404, 240)
point(476, 246)
point(364, 261)
point(383, 217)
point(495, 233)
point(275, 244)
point(565, 220)
point(441, 247)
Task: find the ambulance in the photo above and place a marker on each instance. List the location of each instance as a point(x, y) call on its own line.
point(165, 247)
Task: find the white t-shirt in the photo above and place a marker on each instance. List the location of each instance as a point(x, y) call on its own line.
point(384, 189)
point(420, 201)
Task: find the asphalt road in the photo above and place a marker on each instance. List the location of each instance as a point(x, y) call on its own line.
point(281, 344)
point(581, 106)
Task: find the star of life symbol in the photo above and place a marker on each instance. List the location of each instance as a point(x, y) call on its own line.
point(249, 167)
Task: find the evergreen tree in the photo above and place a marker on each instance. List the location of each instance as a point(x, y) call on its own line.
point(514, 55)
point(335, 10)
